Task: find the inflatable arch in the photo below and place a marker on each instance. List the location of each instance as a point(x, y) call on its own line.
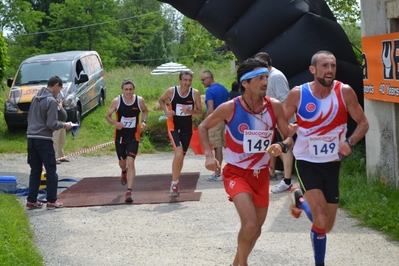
point(291, 31)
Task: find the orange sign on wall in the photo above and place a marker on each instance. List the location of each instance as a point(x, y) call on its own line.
point(381, 67)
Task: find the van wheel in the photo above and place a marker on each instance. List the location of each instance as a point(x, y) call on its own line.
point(78, 115)
point(101, 99)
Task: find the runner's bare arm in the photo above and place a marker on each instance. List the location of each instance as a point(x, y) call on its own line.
point(167, 96)
point(198, 105)
point(111, 110)
point(223, 113)
point(290, 108)
point(356, 112)
point(144, 110)
point(282, 126)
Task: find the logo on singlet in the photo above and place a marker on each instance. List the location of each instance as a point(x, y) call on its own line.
point(323, 138)
point(242, 127)
point(310, 107)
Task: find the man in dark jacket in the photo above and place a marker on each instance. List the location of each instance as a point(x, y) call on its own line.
point(42, 121)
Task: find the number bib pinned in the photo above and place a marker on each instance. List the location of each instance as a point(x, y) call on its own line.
point(323, 145)
point(179, 109)
point(257, 141)
point(128, 122)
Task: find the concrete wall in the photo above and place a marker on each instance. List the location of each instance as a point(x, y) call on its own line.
point(380, 17)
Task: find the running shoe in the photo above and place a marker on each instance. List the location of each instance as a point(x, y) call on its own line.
point(295, 206)
point(123, 177)
point(281, 187)
point(214, 177)
point(174, 189)
point(128, 196)
point(54, 205)
point(34, 205)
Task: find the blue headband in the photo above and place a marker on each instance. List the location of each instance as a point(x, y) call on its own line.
point(254, 73)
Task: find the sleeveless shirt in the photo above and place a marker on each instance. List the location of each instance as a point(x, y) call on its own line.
point(322, 125)
point(180, 121)
point(129, 115)
point(244, 123)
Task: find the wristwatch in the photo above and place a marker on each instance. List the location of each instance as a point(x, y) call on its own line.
point(350, 142)
point(284, 146)
point(144, 121)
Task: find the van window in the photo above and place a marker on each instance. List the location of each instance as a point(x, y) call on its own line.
point(91, 64)
point(40, 72)
point(79, 68)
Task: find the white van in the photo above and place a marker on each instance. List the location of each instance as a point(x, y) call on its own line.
point(82, 74)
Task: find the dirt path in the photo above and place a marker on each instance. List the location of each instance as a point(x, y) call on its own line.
point(189, 233)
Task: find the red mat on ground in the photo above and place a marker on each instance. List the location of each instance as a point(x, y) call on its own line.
point(100, 191)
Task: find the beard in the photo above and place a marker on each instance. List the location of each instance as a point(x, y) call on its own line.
point(324, 82)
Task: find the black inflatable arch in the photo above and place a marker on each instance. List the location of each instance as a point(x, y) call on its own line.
point(291, 31)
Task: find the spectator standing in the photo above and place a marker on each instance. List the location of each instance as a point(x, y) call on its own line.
point(184, 102)
point(250, 120)
point(215, 95)
point(59, 136)
point(127, 107)
point(278, 88)
point(42, 122)
point(235, 90)
point(321, 142)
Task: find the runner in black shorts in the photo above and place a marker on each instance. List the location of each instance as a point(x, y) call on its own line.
point(128, 149)
point(323, 176)
point(127, 107)
point(321, 108)
point(180, 139)
point(184, 102)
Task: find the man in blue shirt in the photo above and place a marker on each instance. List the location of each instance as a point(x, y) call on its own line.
point(215, 95)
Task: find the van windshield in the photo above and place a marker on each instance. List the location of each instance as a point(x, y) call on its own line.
point(41, 72)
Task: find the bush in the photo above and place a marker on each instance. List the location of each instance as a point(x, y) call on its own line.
point(157, 133)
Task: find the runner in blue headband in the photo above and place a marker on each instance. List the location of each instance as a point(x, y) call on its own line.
point(254, 73)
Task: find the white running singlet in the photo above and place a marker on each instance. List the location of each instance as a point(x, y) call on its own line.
point(248, 135)
point(322, 125)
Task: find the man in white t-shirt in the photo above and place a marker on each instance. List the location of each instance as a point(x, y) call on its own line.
point(278, 88)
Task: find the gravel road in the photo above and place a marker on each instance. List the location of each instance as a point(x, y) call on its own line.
point(188, 233)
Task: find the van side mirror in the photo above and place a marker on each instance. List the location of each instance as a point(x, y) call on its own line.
point(9, 82)
point(82, 78)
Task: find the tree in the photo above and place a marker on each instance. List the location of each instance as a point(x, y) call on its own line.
point(19, 20)
point(159, 48)
point(198, 45)
point(124, 32)
point(354, 34)
point(139, 33)
point(18, 17)
point(4, 60)
point(346, 11)
point(92, 28)
point(43, 6)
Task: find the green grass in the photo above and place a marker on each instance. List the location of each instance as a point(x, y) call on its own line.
point(95, 129)
point(16, 237)
point(373, 203)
